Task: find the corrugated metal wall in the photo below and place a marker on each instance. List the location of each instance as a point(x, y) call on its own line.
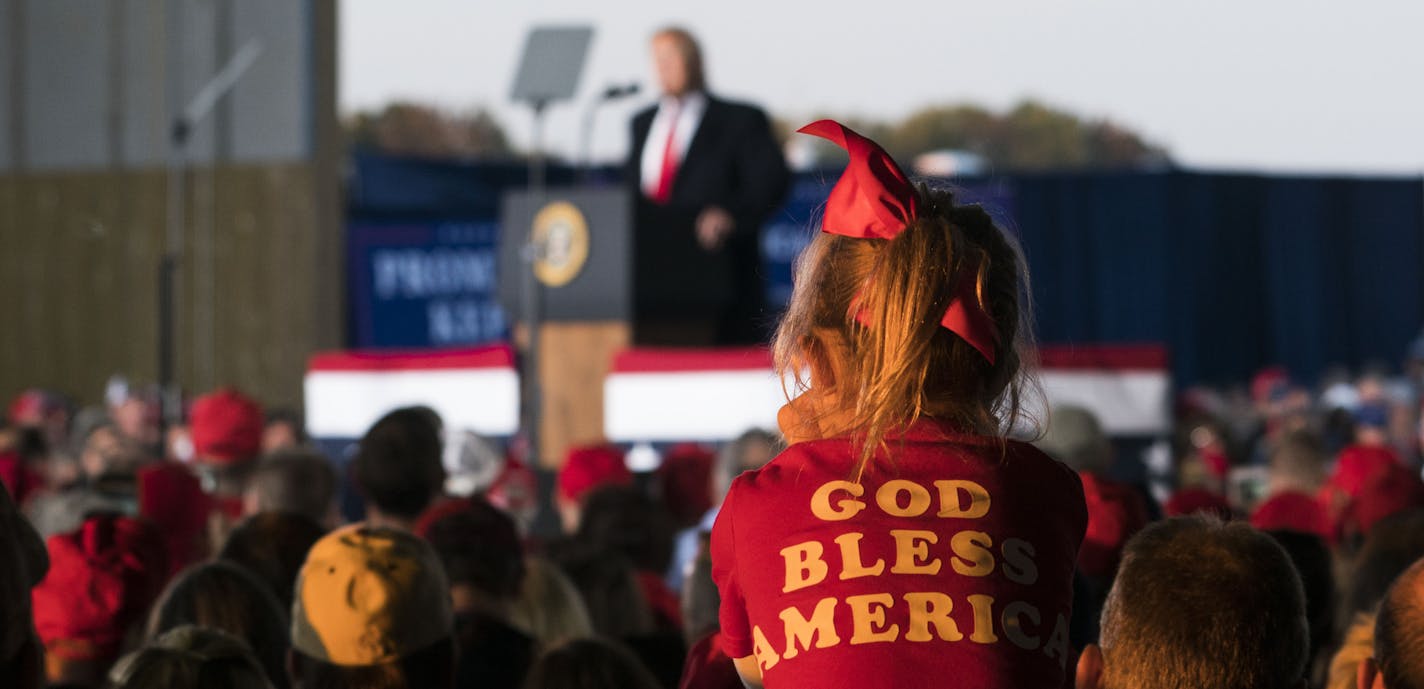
point(83, 197)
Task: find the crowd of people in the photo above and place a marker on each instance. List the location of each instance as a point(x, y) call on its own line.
point(894, 532)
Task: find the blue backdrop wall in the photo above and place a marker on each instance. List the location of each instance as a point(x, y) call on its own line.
point(1232, 272)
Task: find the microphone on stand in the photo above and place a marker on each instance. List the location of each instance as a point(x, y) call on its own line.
point(615, 92)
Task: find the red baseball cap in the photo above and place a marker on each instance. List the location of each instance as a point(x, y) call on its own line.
point(226, 427)
point(32, 406)
point(590, 466)
point(686, 475)
point(102, 579)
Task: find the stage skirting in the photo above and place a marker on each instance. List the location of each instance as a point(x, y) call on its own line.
point(672, 395)
point(472, 389)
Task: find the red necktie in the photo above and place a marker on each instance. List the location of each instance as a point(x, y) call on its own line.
point(663, 192)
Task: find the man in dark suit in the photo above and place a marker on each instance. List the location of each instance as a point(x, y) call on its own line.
point(706, 174)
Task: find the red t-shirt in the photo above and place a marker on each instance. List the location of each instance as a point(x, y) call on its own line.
point(950, 563)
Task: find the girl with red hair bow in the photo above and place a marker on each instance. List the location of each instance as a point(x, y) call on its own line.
point(901, 539)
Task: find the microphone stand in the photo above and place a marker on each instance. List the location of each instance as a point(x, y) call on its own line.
point(611, 93)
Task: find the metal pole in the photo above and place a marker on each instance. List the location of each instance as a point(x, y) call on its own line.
point(533, 296)
point(168, 287)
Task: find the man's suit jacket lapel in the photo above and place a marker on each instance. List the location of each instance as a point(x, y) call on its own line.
point(705, 136)
point(642, 122)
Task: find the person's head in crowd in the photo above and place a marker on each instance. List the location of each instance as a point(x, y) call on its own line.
point(685, 478)
point(585, 468)
point(398, 467)
point(1269, 386)
point(1297, 464)
point(284, 430)
point(101, 581)
point(190, 657)
point(1372, 423)
point(1198, 500)
point(1204, 456)
point(549, 607)
point(891, 322)
point(589, 664)
point(18, 474)
point(99, 449)
point(608, 585)
point(273, 546)
point(294, 480)
point(23, 564)
point(1199, 602)
point(753, 449)
point(224, 596)
point(1395, 490)
point(226, 430)
point(1312, 559)
point(44, 410)
point(677, 60)
point(624, 520)
point(171, 495)
point(136, 413)
point(1398, 661)
point(373, 610)
point(86, 419)
point(479, 547)
point(1391, 546)
point(1075, 437)
point(1296, 472)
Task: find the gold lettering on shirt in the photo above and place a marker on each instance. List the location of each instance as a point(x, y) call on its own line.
point(983, 619)
point(804, 566)
point(821, 627)
point(761, 648)
point(888, 498)
point(951, 505)
point(1014, 614)
point(1057, 646)
point(971, 553)
point(931, 609)
point(851, 565)
point(868, 618)
point(912, 551)
point(843, 509)
point(1018, 562)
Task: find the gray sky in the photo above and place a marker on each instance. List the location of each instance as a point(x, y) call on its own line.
point(1246, 84)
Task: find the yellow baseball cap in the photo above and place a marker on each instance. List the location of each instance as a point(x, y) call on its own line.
point(369, 595)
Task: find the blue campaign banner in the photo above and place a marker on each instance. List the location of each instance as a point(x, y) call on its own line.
point(418, 284)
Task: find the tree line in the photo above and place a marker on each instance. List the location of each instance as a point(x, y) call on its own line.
point(1029, 136)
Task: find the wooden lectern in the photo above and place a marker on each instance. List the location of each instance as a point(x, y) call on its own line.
point(603, 283)
point(583, 301)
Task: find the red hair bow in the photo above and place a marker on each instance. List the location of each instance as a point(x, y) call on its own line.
point(874, 200)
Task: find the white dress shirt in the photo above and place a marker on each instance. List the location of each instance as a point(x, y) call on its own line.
point(689, 116)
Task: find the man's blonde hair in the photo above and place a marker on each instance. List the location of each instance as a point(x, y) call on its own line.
point(691, 55)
